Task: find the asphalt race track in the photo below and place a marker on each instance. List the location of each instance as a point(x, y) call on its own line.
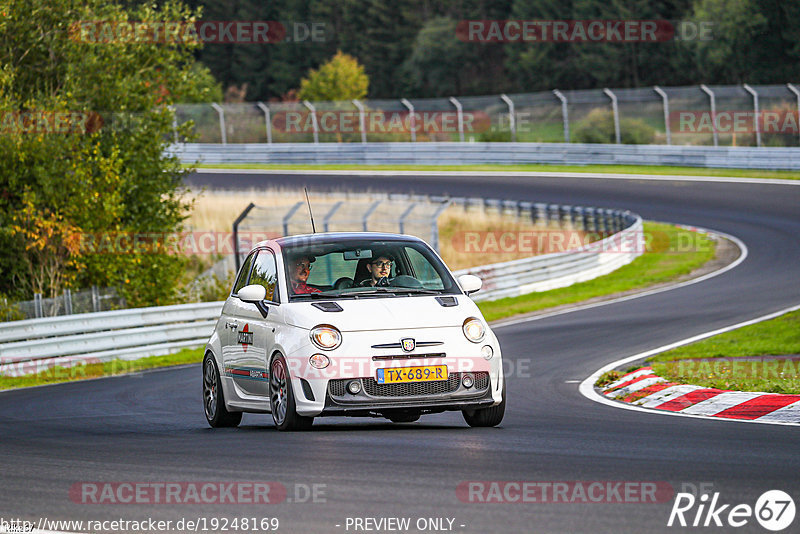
point(150, 427)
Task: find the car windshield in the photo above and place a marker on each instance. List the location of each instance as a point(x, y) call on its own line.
point(365, 269)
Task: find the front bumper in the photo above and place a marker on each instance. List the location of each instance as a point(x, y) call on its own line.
point(423, 397)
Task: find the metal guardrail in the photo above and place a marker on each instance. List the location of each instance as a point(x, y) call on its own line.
point(552, 271)
point(35, 345)
point(778, 158)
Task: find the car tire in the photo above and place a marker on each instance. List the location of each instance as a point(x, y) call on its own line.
point(484, 417)
point(403, 417)
point(217, 414)
point(281, 398)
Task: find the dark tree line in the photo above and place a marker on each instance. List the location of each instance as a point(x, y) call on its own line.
point(410, 48)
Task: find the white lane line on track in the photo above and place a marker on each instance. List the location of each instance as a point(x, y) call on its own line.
point(587, 386)
point(742, 256)
point(506, 174)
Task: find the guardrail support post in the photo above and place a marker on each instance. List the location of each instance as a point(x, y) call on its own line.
point(615, 111)
point(665, 98)
point(37, 305)
point(67, 302)
point(221, 113)
point(267, 120)
point(314, 122)
point(512, 119)
point(362, 120)
point(412, 119)
point(713, 104)
point(460, 115)
point(755, 110)
point(796, 92)
point(236, 223)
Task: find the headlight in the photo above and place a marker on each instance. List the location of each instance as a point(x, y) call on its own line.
point(473, 330)
point(487, 352)
point(319, 361)
point(325, 337)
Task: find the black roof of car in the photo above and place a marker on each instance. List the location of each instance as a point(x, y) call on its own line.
point(339, 237)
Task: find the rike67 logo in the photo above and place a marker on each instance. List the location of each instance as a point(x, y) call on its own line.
point(774, 510)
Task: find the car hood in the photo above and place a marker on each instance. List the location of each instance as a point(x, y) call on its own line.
point(383, 313)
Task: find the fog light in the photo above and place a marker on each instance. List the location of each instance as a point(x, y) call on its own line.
point(319, 361)
point(354, 386)
point(487, 352)
point(467, 380)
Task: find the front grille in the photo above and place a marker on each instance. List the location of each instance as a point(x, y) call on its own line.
point(337, 387)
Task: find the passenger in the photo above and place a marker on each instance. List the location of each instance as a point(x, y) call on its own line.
point(379, 270)
point(300, 268)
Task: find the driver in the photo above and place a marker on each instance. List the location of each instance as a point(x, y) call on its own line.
point(299, 269)
point(379, 270)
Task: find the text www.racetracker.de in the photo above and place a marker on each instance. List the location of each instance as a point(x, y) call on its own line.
point(198, 524)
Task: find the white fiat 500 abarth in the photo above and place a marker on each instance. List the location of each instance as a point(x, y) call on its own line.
point(351, 324)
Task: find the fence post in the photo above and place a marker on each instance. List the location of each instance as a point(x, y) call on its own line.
point(174, 123)
point(713, 104)
point(288, 217)
point(512, 120)
point(370, 210)
point(460, 114)
point(564, 113)
point(267, 119)
point(665, 98)
point(413, 119)
point(221, 113)
point(314, 123)
point(362, 120)
point(796, 92)
point(67, 302)
point(755, 110)
point(236, 223)
point(326, 220)
point(37, 305)
point(95, 299)
point(402, 220)
point(615, 110)
point(435, 224)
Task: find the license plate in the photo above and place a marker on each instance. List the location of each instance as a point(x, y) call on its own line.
point(426, 373)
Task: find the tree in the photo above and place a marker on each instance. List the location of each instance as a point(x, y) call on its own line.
point(341, 78)
point(107, 172)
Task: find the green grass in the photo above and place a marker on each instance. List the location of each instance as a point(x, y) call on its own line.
point(620, 169)
point(776, 337)
point(97, 370)
point(665, 260)
point(672, 253)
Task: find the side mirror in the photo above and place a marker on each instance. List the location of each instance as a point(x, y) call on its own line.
point(253, 293)
point(469, 283)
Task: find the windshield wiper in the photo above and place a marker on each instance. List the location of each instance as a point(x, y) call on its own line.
point(323, 296)
point(416, 290)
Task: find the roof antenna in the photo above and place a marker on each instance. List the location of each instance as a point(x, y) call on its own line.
point(313, 228)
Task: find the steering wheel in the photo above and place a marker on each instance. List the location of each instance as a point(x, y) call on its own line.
point(343, 283)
